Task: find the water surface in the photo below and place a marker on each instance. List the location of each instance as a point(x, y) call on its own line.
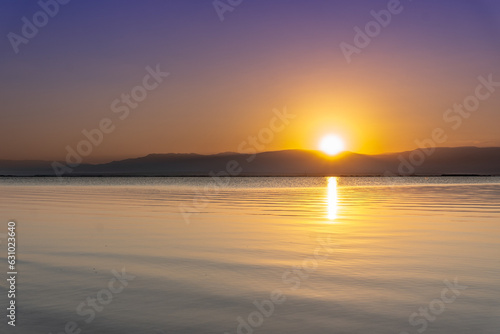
point(348, 255)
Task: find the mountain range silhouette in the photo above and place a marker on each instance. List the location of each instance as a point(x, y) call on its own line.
point(436, 161)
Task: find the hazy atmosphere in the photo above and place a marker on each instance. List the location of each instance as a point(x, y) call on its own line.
point(250, 167)
point(226, 77)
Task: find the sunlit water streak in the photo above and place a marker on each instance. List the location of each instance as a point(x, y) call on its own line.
point(396, 240)
point(332, 198)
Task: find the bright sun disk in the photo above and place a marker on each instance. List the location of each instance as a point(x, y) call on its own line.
point(331, 145)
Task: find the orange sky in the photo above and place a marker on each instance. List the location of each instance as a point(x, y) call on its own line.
point(227, 77)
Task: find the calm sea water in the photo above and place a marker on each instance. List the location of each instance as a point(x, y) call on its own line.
point(254, 255)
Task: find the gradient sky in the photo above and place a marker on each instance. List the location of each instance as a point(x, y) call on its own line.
point(227, 77)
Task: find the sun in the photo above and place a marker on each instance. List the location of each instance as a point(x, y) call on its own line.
point(331, 145)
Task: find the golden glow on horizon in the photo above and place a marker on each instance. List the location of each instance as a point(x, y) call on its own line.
point(332, 198)
point(332, 145)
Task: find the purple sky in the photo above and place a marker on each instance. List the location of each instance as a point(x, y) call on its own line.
point(227, 76)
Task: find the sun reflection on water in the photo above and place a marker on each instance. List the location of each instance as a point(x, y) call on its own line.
point(332, 198)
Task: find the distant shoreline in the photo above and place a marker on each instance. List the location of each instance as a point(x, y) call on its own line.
point(458, 162)
point(270, 175)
